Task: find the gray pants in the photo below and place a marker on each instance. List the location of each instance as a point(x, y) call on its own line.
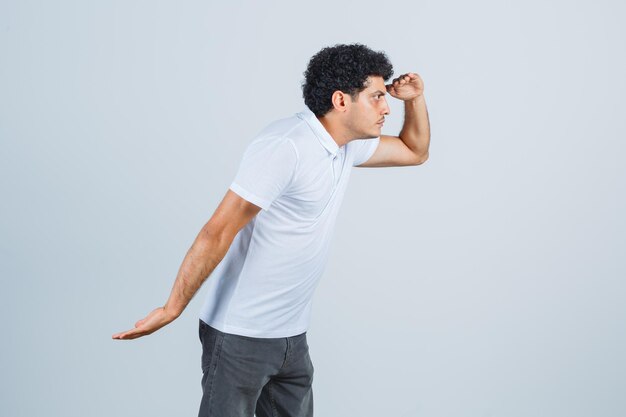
point(247, 375)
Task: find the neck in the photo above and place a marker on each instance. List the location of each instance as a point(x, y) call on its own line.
point(339, 134)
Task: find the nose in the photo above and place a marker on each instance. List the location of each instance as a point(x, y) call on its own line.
point(386, 109)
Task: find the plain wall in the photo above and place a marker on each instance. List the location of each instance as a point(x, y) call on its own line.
point(487, 282)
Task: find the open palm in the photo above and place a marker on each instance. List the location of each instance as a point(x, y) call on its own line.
point(148, 325)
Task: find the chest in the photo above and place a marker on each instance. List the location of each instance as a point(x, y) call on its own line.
point(319, 183)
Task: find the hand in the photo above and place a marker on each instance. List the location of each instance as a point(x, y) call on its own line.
point(148, 325)
point(406, 87)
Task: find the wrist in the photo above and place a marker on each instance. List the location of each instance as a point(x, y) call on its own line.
point(415, 100)
point(171, 313)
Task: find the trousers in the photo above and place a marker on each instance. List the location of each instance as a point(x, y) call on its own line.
point(245, 376)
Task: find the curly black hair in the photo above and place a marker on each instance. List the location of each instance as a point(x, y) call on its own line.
point(344, 68)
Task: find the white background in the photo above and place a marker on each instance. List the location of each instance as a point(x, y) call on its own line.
point(487, 282)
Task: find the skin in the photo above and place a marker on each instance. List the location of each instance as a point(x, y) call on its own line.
point(207, 251)
point(363, 117)
point(348, 120)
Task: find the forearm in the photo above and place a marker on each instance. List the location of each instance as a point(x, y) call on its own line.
point(205, 254)
point(415, 132)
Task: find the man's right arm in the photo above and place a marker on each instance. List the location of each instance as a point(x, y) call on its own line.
point(207, 251)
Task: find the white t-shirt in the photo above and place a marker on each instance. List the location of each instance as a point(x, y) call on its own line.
point(297, 174)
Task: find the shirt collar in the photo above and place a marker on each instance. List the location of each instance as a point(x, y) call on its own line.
point(320, 131)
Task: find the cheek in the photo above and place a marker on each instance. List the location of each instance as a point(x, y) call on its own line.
point(371, 107)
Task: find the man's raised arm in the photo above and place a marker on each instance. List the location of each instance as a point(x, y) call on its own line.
point(415, 131)
point(411, 146)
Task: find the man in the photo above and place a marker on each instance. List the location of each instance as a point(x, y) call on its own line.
point(267, 243)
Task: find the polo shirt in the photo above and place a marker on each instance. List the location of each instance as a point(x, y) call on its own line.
point(294, 171)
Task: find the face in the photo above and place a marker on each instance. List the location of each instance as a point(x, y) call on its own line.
point(366, 115)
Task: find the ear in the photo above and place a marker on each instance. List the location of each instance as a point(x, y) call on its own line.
point(340, 101)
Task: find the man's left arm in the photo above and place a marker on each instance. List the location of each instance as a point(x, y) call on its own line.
point(410, 147)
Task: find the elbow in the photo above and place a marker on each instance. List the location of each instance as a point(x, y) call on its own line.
point(217, 234)
point(421, 159)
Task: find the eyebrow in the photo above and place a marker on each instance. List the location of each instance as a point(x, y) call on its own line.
point(378, 92)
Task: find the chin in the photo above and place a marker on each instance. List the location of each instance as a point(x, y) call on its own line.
point(371, 135)
point(374, 133)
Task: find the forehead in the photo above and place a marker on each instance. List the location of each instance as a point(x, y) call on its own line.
point(374, 83)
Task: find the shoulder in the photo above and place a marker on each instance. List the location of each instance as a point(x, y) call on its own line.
point(360, 150)
point(281, 128)
point(276, 136)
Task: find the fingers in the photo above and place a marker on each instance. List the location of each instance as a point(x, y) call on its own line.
point(120, 335)
point(148, 325)
point(404, 78)
point(130, 334)
point(398, 83)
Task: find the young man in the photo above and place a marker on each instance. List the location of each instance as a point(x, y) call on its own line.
point(267, 243)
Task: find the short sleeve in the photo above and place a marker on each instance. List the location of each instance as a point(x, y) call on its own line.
point(363, 149)
point(266, 169)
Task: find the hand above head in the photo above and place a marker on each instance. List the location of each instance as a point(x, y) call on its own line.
point(406, 87)
point(151, 323)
